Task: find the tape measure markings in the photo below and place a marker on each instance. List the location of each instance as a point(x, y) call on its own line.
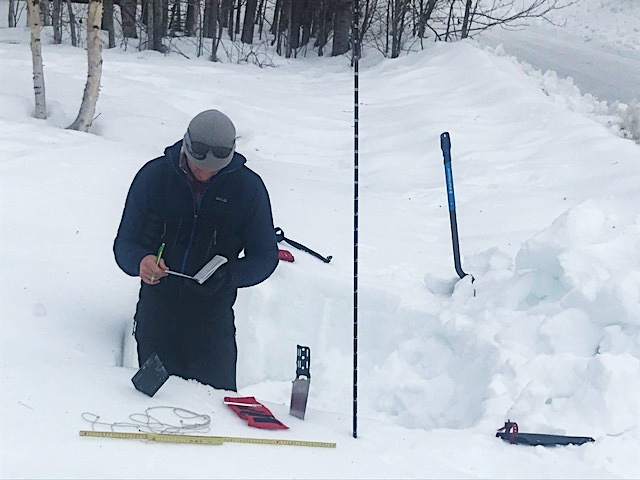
point(204, 439)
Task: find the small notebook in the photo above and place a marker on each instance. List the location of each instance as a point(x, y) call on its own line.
point(206, 271)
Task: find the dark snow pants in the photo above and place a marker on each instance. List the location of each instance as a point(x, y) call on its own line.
point(194, 339)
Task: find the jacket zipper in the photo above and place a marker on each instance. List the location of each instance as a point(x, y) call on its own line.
point(196, 211)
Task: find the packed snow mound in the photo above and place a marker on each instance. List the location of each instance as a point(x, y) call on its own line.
point(543, 338)
point(631, 119)
point(608, 22)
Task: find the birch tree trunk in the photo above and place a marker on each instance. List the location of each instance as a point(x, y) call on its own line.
point(94, 59)
point(33, 7)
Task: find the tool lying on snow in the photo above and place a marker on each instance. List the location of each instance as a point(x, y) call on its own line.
point(280, 237)
point(509, 433)
point(256, 414)
point(204, 440)
point(300, 388)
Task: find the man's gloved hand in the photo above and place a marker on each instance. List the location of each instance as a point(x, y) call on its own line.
point(220, 279)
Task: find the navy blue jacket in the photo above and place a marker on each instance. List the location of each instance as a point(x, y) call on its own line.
point(234, 214)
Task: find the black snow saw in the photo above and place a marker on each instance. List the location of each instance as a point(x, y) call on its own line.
point(300, 389)
point(509, 433)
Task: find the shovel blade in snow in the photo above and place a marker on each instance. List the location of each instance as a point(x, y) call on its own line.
point(151, 376)
point(300, 389)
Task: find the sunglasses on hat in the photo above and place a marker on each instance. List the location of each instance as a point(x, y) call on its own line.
point(199, 150)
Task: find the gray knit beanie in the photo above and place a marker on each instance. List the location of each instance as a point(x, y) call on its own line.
point(210, 140)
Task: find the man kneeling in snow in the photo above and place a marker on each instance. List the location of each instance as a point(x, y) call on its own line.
point(199, 200)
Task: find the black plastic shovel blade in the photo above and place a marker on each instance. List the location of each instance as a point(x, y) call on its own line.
point(151, 376)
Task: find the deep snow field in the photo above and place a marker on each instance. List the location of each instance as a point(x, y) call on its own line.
point(548, 335)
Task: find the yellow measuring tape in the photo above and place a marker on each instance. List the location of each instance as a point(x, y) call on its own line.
point(203, 439)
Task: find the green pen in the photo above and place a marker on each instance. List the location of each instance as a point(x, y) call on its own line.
point(158, 257)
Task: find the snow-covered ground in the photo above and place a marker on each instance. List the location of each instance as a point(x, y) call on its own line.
point(549, 222)
point(592, 46)
point(610, 74)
